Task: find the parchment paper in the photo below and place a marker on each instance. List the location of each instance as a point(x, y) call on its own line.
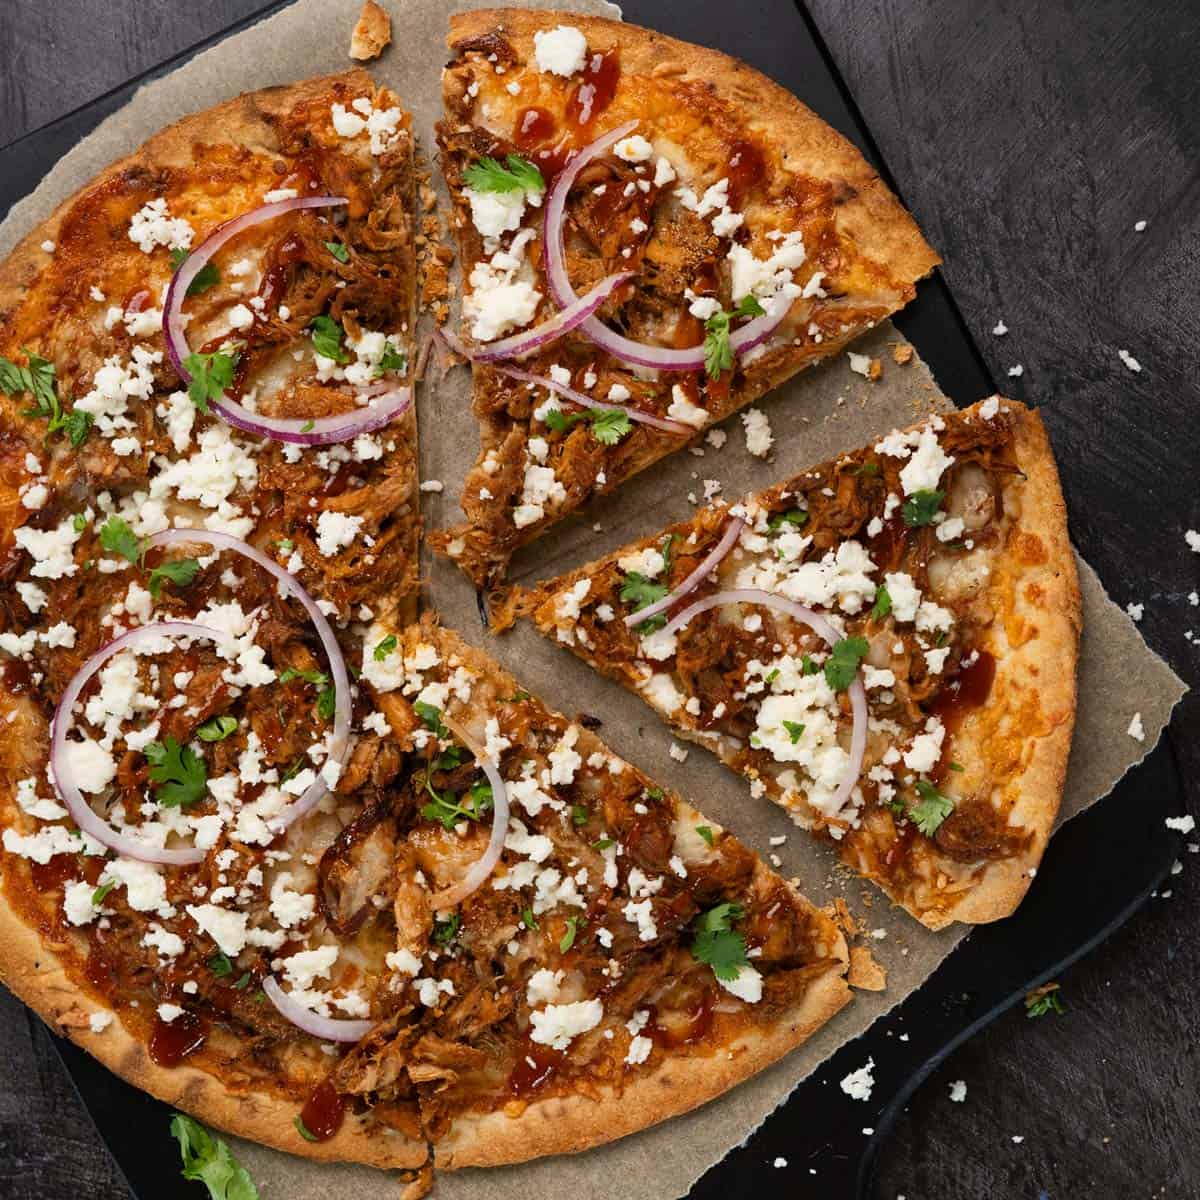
point(817, 414)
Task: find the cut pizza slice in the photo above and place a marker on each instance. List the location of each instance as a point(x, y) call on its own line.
point(659, 235)
point(885, 645)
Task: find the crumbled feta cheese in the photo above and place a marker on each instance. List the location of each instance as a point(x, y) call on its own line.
point(557, 1025)
point(560, 51)
point(759, 439)
point(858, 1084)
point(152, 225)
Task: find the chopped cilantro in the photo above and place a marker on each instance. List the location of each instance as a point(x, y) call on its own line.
point(244, 982)
point(205, 277)
point(327, 338)
point(339, 251)
point(568, 939)
point(870, 467)
point(385, 647)
point(641, 592)
point(220, 964)
point(517, 174)
point(716, 942)
point(217, 729)
point(210, 375)
point(580, 814)
point(444, 932)
point(609, 425)
point(209, 1160)
point(303, 1130)
point(326, 703)
point(843, 661)
point(178, 772)
point(932, 809)
point(705, 831)
point(528, 919)
point(771, 675)
point(445, 809)
point(653, 793)
point(79, 522)
point(956, 766)
point(921, 507)
point(309, 675)
point(603, 843)
point(1043, 1000)
point(37, 379)
point(793, 516)
point(794, 730)
point(392, 360)
point(807, 665)
point(102, 891)
point(718, 353)
point(180, 571)
point(883, 603)
point(117, 538)
point(432, 717)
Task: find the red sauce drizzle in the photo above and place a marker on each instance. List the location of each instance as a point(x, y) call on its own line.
point(172, 1041)
point(968, 689)
point(534, 128)
point(536, 1064)
point(594, 93)
point(17, 676)
point(746, 167)
point(323, 1112)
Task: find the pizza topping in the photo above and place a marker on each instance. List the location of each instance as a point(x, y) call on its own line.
point(328, 1029)
point(560, 51)
point(152, 226)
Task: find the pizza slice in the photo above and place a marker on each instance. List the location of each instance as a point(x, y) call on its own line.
point(652, 236)
point(885, 645)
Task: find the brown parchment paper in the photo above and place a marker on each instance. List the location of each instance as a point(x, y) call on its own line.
point(826, 410)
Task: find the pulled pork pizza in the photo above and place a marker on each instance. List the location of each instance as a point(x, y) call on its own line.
point(885, 645)
point(653, 235)
point(487, 939)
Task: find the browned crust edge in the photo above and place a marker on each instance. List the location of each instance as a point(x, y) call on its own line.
point(1002, 885)
point(31, 970)
point(566, 1125)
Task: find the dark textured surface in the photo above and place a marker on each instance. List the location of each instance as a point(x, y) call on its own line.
point(1027, 139)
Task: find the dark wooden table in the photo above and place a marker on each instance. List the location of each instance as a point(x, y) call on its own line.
point(1028, 138)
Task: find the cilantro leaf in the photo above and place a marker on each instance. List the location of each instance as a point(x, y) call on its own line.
point(609, 425)
point(641, 592)
point(327, 337)
point(794, 516)
point(179, 773)
point(794, 730)
point(210, 1161)
point(528, 919)
point(1043, 1000)
point(883, 603)
point(339, 251)
point(205, 277)
point(716, 942)
point(432, 717)
point(843, 661)
point(117, 538)
point(517, 174)
point(220, 964)
point(568, 939)
point(445, 809)
point(180, 571)
point(718, 353)
point(309, 675)
point(102, 891)
point(217, 729)
point(326, 703)
point(932, 809)
point(444, 932)
point(37, 379)
point(303, 1129)
point(580, 815)
point(393, 360)
point(705, 831)
point(385, 647)
point(210, 375)
point(921, 507)
point(807, 665)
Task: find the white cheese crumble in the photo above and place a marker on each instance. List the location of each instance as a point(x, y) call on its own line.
point(152, 225)
point(858, 1084)
point(560, 51)
point(557, 1025)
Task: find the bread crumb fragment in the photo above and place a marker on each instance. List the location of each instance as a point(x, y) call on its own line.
point(902, 353)
point(865, 973)
point(372, 33)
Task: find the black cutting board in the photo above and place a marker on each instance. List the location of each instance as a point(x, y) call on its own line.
point(1097, 871)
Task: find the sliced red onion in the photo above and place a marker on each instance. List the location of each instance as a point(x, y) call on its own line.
point(481, 869)
point(385, 401)
point(125, 844)
point(638, 354)
point(177, 346)
point(569, 317)
point(819, 625)
point(339, 742)
point(328, 1029)
point(711, 561)
point(634, 414)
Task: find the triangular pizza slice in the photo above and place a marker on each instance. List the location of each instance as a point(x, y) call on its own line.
point(652, 236)
point(885, 645)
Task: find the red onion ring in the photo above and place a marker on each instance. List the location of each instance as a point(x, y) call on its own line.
point(638, 354)
point(820, 626)
point(328, 1029)
point(482, 868)
point(386, 402)
point(64, 778)
point(569, 317)
point(634, 414)
point(339, 742)
point(711, 561)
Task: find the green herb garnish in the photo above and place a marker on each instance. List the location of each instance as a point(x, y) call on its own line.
point(580, 814)
point(705, 831)
point(932, 809)
point(210, 375)
point(327, 337)
point(217, 729)
point(843, 661)
point(117, 538)
point(883, 603)
point(793, 516)
point(102, 891)
point(609, 425)
point(921, 507)
point(180, 571)
point(516, 174)
point(385, 647)
point(205, 277)
point(432, 717)
point(339, 251)
point(209, 1160)
point(179, 773)
point(528, 919)
point(794, 730)
point(444, 932)
point(717, 944)
point(568, 939)
point(718, 353)
point(302, 1129)
point(1043, 1000)
point(221, 965)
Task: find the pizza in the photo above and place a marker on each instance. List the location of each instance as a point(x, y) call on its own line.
point(652, 236)
point(885, 645)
